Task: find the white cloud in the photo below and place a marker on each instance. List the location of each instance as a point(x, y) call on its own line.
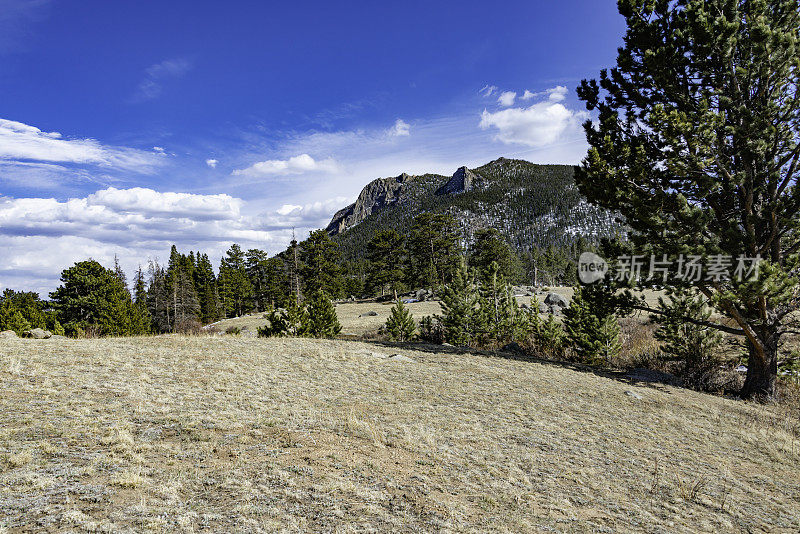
point(19, 141)
point(295, 165)
point(155, 75)
point(212, 163)
point(400, 129)
point(506, 98)
point(539, 125)
point(488, 90)
point(557, 94)
point(554, 94)
point(42, 236)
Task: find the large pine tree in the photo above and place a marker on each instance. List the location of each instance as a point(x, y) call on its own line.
point(697, 144)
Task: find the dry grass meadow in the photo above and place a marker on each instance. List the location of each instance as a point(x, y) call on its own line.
point(236, 434)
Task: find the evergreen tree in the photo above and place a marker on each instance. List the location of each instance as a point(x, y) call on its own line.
point(461, 319)
point(291, 321)
point(94, 298)
point(319, 265)
point(490, 247)
point(322, 318)
point(206, 284)
point(697, 144)
point(140, 319)
point(400, 325)
point(694, 343)
point(235, 288)
point(591, 326)
point(386, 262)
point(11, 319)
point(434, 248)
point(256, 268)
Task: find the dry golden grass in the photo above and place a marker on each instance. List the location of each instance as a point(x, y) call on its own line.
point(231, 434)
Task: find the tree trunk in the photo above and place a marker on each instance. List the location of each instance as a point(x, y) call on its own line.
point(762, 369)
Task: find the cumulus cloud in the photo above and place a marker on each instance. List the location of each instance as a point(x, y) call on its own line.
point(541, 124)
point(155, 75)
point(21, 142)
point(212, 163)
point(400, 129)
point(42, 236)
point(295, 165)
point(506, 98)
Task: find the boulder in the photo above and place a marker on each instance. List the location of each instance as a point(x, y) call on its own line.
point(37, 333)
point(401, 358)
point(56, 336)
point(8, 334)
point(544, 308)
point(369, 314)
point(555, 300)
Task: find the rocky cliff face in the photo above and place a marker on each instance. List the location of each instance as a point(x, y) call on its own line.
point(384, 192)
point(463, 180)
point(377, 195)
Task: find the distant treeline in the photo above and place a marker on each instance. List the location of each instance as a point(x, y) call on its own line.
point(187, 292)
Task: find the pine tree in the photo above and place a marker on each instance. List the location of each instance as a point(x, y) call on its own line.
point(235, 287)
point(434, 249)
point(462, 319)
point(291, 321)
point(400, 325)
point(319, 265)
point(490, 247)
point(694, 343)
point(140, 318)
point(323, 321)
point(386, 262)
point(11, 319)
point(591, 327)
point(697, 144)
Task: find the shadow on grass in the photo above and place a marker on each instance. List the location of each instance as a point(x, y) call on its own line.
point(642, 378)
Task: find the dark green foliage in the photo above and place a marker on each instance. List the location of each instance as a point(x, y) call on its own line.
point(21, 310)
point(235, 288)
point(140, 316)
point(434, 246)
point(386, 257)
point(462, 319)
point(319, 265)
point(400, 325)
point(503, 319)
point(490, 247)
point(322, 319)
point(11, 319)
point(694, 345)
point(430, 330)
point(93, 298)
point(548, 337)
point(290, 321)
point(696, 145)
point(205, 282)
point(591, 327)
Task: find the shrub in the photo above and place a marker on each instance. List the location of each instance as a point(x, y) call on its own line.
point(234, 330)
point(431, 331)
point(188, 326)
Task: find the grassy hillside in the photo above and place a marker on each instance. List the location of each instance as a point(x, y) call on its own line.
point(232, 434)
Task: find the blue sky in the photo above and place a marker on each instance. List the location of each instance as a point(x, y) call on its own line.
point(126, 126)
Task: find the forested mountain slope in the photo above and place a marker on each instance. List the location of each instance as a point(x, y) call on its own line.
point(534, 206)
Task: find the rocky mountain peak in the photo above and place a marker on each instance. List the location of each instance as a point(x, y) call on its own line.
point(463, 180)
